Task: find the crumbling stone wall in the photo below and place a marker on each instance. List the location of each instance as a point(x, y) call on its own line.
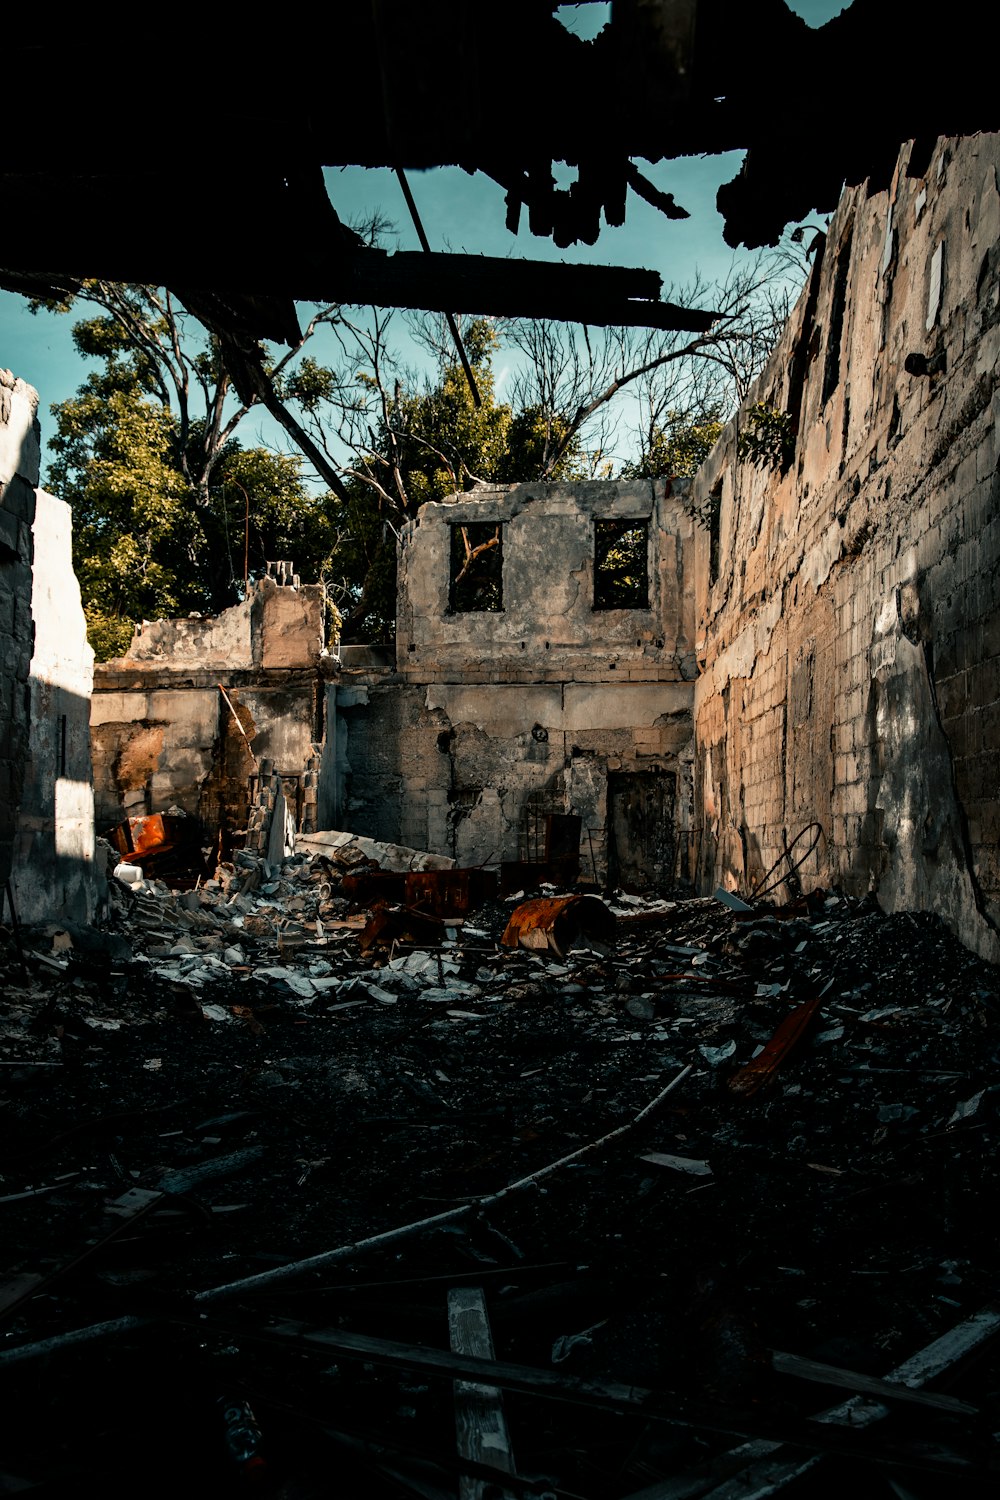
point(848, 608)
point(19, 459)
point(163, 732)
point(494, 717)
point(54, 874)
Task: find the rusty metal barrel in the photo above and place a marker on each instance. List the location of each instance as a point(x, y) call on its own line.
point(559, 923)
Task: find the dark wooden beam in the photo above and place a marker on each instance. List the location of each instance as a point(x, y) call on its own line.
point(267, 273)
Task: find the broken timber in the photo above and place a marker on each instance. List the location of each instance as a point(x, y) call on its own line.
point(404, 1231)
point(612, 1396)
point(480, 1423)
point(761, 1473)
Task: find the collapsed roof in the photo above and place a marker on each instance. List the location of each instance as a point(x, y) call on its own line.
point(201, 168)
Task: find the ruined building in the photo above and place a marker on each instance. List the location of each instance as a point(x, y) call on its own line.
point(544, 664)
point(808, 679)
point(19, 454)
point(200, 711)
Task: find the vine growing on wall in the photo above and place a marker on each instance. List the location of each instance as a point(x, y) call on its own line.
point(767, 439)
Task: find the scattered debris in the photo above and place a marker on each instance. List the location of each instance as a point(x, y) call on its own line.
point(761, 1069)
point(678, 1163)
point(242, 1140)
point(351, 848)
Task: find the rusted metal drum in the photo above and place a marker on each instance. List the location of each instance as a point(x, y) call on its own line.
point(559, 923)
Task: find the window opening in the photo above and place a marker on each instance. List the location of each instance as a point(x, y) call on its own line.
point(838, 306)
point(476, 567)
point(934, 287)
point(621, 564)
point(714, 532)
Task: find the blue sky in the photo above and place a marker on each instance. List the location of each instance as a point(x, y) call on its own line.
point(459, 213)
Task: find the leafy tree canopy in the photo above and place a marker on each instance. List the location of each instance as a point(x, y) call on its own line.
point(426, 445)
point(677, 449)
point(142, 549)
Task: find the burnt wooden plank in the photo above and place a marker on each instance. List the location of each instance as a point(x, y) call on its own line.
point(480, 1423)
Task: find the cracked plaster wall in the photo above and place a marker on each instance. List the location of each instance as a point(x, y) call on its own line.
point(548, 625)
point(161, 731)
point(54, 872)
point(490, 714)
point(452, 768)
point(19, 458)
point(850, 644)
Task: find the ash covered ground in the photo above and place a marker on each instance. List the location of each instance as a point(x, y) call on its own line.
point(222, 1083)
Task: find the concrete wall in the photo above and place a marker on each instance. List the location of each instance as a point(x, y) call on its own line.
point(462, 769)
point(54, 873)
point(19, 455)
point(162, 732)
point(277, 626)
point(492, 719)
point(548, 624)
point(849, 625)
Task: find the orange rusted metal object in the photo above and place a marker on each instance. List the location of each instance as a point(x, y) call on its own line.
point(558, 923)
point(389, 924)
point(139, 839)
point(762, 1069)
point(449, 893)
point(162, 844)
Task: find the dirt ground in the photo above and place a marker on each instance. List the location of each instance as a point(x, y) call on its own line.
point(222, 1084)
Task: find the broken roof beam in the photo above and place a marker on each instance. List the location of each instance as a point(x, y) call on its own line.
point(764, 1470)
point(598, 295)
point(602, 296)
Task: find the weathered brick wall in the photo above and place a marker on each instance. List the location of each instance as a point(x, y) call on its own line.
point(849, 620)
point(19, 458)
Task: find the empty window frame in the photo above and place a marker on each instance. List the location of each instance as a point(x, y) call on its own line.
point(476, 568)
point(838, 307)
point(621, 564)
point(714, 533)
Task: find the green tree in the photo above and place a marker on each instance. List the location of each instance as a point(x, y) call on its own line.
point(142, 549)
point(169, 508)
point(422, 445)
point(677, 449)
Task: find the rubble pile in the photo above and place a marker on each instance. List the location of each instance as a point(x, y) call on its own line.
point(696, 1185)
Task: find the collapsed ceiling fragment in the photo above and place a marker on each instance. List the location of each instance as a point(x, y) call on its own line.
point(239, 223)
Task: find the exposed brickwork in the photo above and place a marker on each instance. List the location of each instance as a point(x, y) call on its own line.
point(850, 645)
point(164, 734)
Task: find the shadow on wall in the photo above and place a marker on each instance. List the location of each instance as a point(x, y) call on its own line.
point(53, 875)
